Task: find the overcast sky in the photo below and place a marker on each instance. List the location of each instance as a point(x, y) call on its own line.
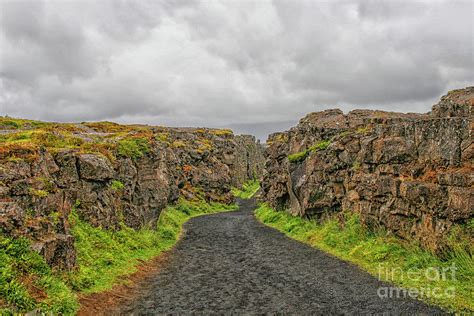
point(255, 66)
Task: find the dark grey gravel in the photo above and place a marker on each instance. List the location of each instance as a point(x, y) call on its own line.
point(231, 263)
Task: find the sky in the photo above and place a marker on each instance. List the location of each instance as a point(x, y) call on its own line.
point(254, 66)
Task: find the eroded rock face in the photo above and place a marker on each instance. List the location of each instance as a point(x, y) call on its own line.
point(409, 173)
point(38, 194)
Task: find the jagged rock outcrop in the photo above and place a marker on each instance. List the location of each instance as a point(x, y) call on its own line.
point(109, 174)
point(411, 174)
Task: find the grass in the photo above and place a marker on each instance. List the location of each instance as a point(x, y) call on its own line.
point(389, 258)
point(24, 275)
point(300, 156)
point(248, 190)
point(133, 147)
point(104, 258)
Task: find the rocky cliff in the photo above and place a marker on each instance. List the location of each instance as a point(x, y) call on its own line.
point(410, 174)
point(110, 174)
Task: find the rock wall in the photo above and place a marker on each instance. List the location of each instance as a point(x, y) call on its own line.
point(411, 174)
point(110, 174)
point(249, 159)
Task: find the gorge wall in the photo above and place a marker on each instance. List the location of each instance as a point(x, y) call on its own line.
point(410, 174)
point(110, 174)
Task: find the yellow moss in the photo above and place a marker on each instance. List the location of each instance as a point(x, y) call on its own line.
point(222, 132)
point(364, 130)
point(38, 193)
point(204, 145)
point(162, 137)
point(178, 144)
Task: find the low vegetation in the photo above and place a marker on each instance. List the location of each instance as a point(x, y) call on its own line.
point(104, 258)
point(300, 156)
point(389, 258)
point(117, 185)
point(27, 282)
point(248, 189)
point(133, 147)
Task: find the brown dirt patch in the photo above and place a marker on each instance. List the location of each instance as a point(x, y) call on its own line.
point(106, 302)
point(29, 281)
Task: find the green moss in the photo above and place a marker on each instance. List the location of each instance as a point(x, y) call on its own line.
point(11, 124)
point(14, 123)
point(378, 252)
point(116, 185)
point(248, 190)
point(38, 193)
point(356, 165)
point(300, 156)
point(320, 146)
point(133, 147)
point(162, 137)
point(46, 138)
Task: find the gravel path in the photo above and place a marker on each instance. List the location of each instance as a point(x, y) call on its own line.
point(230, 263)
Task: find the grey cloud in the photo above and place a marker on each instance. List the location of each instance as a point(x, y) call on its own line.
point(254, 66)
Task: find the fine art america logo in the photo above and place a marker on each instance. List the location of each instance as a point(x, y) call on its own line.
point(434, 275)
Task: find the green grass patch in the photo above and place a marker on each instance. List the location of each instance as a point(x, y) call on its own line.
point(21, 270)
point(300, 156)
point(248, 189)
point(389, 258)
point(133, 147)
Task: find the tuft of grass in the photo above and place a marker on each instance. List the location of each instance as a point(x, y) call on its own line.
point(388, 258)
point(105, 256)
point(300, 156)
point(133, 147)
point(248, 190)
